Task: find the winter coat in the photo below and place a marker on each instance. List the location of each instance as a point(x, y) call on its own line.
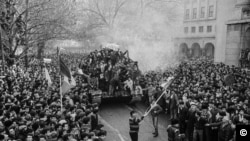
point(225, 132)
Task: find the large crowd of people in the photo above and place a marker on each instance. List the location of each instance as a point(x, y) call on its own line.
point(206, 101)
point(30, 109)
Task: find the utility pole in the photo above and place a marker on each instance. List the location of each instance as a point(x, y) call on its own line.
point(2, 51)
point(26, 37)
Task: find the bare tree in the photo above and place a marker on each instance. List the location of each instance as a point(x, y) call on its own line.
point(101, 16)
point(46, 20)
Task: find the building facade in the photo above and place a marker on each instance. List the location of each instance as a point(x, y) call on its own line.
point(211, 28)
point(238, 32)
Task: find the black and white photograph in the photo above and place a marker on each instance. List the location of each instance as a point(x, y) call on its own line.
point(124, 70)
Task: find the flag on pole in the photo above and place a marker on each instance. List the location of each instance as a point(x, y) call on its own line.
point(167, 83)
point(67, 85)
point(165, 86)
point(47, 77)
point(64, 69)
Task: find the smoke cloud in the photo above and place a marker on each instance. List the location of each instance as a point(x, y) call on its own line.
point(146, 28)
point(148, 33)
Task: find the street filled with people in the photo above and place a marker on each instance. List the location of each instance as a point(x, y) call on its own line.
point(31, 109)
point(205, 100)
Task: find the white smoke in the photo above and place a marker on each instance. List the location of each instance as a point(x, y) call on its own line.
point(148, 36)
point(146, 28)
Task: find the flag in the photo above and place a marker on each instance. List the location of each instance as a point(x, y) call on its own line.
point(64, 69)
point(66, 86)
point(167, 83)
point(47, 77)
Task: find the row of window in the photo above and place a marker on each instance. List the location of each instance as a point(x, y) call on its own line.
point(202, 12)
point(201, 29)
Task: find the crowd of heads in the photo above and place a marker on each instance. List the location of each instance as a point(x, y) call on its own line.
point(31, 110)
point(204, 83)
point(215, 92)
point(111, 67)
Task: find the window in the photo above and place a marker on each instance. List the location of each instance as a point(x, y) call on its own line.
point(230, 28)
point(194, 13)
point(211, 11)
point(201, 29)
point(202, 12)
point(193, 29)
point(187, 14)
point(186, 29)
point(237, 27)
point(246, 13)
point(209, 28)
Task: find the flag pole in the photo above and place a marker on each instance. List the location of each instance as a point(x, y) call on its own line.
point(151, 107)
point(60, 78)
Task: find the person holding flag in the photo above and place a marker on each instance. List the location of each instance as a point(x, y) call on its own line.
point(155, 111)
point(134, 125)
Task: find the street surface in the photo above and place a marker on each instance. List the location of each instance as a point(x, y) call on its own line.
point(115, 118)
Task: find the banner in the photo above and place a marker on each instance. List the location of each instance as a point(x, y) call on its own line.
point(46, 60)
point(47, 77)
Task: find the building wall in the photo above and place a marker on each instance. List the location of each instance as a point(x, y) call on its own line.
point(233, 44)
point(224, 13)
point(237, 32)
point(227, 41)
point(203, 20)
